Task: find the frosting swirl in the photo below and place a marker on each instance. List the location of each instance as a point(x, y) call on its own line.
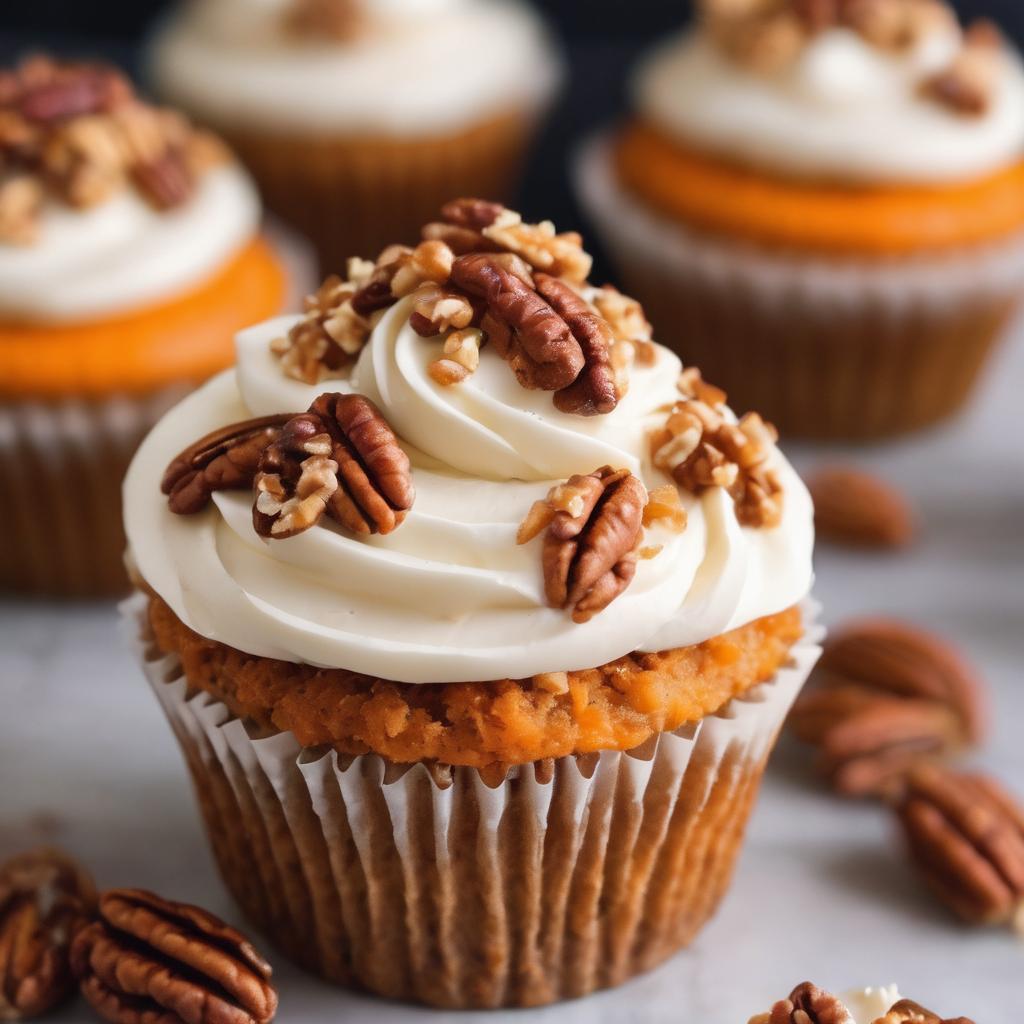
point(450, 597)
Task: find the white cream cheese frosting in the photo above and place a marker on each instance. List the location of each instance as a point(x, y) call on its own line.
point(427, 66)
point(123, 254)
point(866, 1005)
point(845, 110)
point(449, 596)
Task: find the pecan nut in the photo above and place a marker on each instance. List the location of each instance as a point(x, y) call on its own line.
point(45, 897)
point(594, 524)
point(906, 1011)
point(855, 508)
point(340, 458)
point(166, 181)
point(147, 959)
point(225, 459)
point(807, 1004)
point(965, 833)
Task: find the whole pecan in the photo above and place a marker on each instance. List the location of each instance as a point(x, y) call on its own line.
point(45, 897)
point(906, 1011)
point(593, 393)
point(340, 458)
point(590, 549)
point(965, 833)
point(855, 508)
point(807, 1004)
point(522, 326)
point(73, 90)
point(225, 459)
point(166, 181)
point(148, 960)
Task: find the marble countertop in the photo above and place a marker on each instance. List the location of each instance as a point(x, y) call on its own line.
point(822, 891)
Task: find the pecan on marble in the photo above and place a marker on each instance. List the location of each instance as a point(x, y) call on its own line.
point(965, 834)
point(807, 1004)
point(147, 959)
point(45, 897)
point(340, 458)
point(226, 459)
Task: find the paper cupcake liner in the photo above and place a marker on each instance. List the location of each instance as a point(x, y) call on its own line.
point(826, 349)
point(352, 196)
point(424, 883)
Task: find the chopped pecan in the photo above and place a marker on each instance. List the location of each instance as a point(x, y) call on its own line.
point(165, 182)
point(968, 85)
point(226, 459)
point(147, 959)
point(474, 214)
point(73, 90)
point(807, 1004)
point(21, 200)
point(45, 897)
point(906, 1011)
point(438, 310)
point(524, 329)
point(885, 697)
point(339, 458)
point(560, 255)
point(594, 391)
point(375, 291)
point(855, 508)
point(339, 20)
point(461, 357)
point(664, 506)
point(966, 835)
point(593, 531)
point(625, 316)
point(896, 24)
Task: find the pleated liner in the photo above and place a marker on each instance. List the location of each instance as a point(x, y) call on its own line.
point(423, 883)
point(354, 195)
point(825, 349)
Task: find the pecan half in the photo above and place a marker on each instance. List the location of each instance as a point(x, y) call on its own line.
point(965, 833)
point(855, 508)
point(807, 1004)
point(339, 458)
point(165, 181)
point(148, 959)
point(883, 698)
point(45, 897)
point(226, 459)
point(522, 326)
point(906, 1011)
point(338, 20)
point(593, 392)
point(594, 524)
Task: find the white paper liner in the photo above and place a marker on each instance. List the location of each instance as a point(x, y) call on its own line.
point(427, 884)
point(634, 232)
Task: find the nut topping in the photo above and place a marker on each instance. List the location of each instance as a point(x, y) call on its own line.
point(226, 459)
point(339, 458)
point(966, 835)
point(807, 1004)
point(594, 524)
point(45, 897)
point(906, 1011)
point(148, 959)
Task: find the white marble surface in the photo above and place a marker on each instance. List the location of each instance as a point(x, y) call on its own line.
point(822, 890)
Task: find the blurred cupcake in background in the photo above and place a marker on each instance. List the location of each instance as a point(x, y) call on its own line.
point(359, 118)
point(130, 253)
point(825, 203)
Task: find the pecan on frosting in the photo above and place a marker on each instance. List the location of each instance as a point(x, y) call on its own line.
point(808, 1004)
point(78, 133)
point(336, 20)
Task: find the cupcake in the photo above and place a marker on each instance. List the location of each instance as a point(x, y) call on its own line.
point(359, 118)
point(822, 205)
point(130, 254)
point(476, 617)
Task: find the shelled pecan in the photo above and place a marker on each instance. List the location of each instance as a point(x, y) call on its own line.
point(968, 85)
point(807, 1004)
point(906, 1011)
point(147, 959)
point(965, 833)
point(855, 508)
point(337, 20)
point(339, 458)
point(45, 897)
point(226, 459)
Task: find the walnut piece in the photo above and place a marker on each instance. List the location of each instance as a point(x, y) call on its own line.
point(339, 458)
point(226, 459)
point(45, 898)
point(150, 959)
point(594, 523)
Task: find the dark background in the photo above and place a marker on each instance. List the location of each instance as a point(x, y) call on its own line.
point(602, 39)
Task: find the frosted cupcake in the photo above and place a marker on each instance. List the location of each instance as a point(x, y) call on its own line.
point(130, 253)
point(476, 617)
point(827, 203)
point(360, 118)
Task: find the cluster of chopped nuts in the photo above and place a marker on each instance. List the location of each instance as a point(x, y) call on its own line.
point(78, 133)
point(767, 36)
point(808, 1004)
point(699, 447)
point(482, 275)
point(133, 955)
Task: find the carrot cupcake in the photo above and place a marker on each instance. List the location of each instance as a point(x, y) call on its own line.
point(129, 255)
point(476, 617)
point(826, 201)
point(359, 118)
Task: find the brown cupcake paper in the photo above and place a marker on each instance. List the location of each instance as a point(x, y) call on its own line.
point(825, 349)
point(354, 195)
point(424, 883)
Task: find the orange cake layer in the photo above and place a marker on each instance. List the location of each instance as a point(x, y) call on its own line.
point(186, 339)
point(615, 707)
point(738, 202)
